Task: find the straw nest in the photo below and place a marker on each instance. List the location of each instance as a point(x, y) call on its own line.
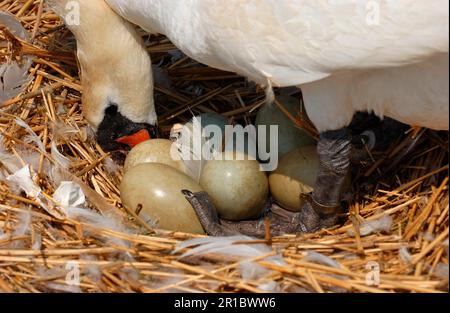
point(39, 249)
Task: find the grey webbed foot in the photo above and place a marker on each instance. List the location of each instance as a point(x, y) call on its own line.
point(313, 217)
point(207, 214)
point(279, 224)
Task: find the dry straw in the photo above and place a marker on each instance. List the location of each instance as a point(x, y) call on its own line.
point(35, 247)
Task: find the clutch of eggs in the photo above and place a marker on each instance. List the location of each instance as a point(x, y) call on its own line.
point(153, 179)
point(236, 185)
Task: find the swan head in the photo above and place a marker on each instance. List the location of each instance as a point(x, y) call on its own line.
point(116, 74)
point(116, 131)
point(117, 84)
point(117, 99)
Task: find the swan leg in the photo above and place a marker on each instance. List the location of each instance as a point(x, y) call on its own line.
point(214, 226)
point(322, 206)
point(207, 214)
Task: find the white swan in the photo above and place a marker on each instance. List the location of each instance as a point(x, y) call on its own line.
point(389, 57)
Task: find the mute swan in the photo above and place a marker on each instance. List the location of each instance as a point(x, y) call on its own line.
point(382, 56)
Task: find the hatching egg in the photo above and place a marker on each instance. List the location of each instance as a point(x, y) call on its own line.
point(152, 151)
point(204, 119)
point(295, 174)
point(157, 188)
point(236, 185)
point(198, 140)
point(289, 136)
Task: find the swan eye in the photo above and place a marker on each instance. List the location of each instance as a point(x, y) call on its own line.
point(111, 110)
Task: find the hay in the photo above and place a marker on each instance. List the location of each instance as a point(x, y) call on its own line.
point(38, 250)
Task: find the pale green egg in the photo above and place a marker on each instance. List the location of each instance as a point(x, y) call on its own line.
point(289, 136)
point(157, 188)
point(236, 186)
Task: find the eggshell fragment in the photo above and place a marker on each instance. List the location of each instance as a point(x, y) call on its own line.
point(157, 187)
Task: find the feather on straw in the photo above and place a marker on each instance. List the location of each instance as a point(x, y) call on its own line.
point(227, 246)
point(13, 77)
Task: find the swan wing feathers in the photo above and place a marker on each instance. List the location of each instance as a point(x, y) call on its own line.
point(294, 42)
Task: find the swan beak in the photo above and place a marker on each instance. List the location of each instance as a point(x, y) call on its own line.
point(134, 139)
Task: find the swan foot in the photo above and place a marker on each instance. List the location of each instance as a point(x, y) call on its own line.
point(279, 221)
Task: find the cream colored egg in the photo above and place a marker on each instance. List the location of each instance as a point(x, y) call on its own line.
point(157, 187)
point(236, 186)
point(152, 151)
point(295, 174)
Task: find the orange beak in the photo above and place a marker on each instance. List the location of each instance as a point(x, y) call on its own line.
point(135, 139)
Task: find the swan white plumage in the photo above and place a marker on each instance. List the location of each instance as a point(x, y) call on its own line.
point(384, 56)
point(357, 45)
point(297, 42)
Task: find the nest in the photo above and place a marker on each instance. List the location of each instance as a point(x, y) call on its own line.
point(395, 238)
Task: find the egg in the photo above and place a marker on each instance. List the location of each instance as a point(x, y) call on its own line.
point(236, 186)
point(152, 151)
point(212, 119)
point(295, 174)
point(157, 187)
point(241, 142)
point(289, 136)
